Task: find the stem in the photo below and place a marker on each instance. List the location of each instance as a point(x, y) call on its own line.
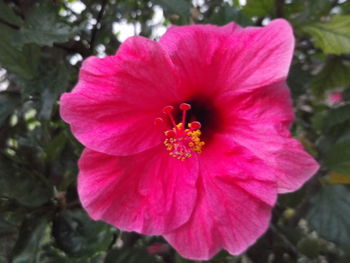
point(73, 47)
point(285, 240)
point(311, 188)
point(279, 8)
point(98, 23)
point(9, 24)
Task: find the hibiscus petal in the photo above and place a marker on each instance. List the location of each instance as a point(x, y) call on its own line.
point(269, 105)
point(234, 203)
point(197, 239)
point(259, 120)
point(150, 193)
point(260, 56)
point(113, 106)
point(225, 216)
point(197, 54)
point(291, 165)
point(230, 59)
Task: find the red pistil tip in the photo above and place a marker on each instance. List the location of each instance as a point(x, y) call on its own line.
point(195, 125)
point(158, 121)
point(170, 133)
point(168, 109)
point(185, 106)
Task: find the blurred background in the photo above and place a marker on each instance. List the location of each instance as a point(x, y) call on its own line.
point(42, 45)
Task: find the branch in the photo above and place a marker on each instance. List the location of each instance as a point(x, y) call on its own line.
point(310, 189)
point(96, 27)
point(9, 24)
point(285, 240)
point(259, 21)
point(279, 8)
point(73, 47)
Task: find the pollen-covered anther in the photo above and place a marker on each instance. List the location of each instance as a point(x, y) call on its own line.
point(183, 140)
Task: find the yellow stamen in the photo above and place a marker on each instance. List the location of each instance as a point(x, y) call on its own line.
point(187, 141)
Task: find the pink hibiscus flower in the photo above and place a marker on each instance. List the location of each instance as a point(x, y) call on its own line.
point(335, 98)
point(189, 137)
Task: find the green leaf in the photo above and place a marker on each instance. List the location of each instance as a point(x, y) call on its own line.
point(338, 157)
point(55, 147)
point(345, 7)
point(298, 80)
point(6, 227)
point(301, 11)
point(8, 235)
point(53, 255)
point(52, 85)
point(77, 235)
point(50, 254)
point(227, 14)
point(129, 255)
point(259, 8)
point(335, 118)
point(23, 62)
point(29, 240)
point(311, 247)
point(335, 130)
point(43, 28)
point(333, 36)
point(330, 212)
point(8, 103)
point(334, 74)
point(25, 188)
point(8, 15)
point(181, 8)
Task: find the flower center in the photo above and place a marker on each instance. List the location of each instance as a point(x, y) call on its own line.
point(181, 141)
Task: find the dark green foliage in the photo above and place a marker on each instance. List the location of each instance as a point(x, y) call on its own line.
point(8, 103)
point(226, 14)
point(30, 237)
point(178, 11)
point(338, 157)
point(259, 8)
point(42, 44)
point(131, 255)
point(21, 62)
point(77, 235)
point(334, 74)
point(333, 36)
point(330, 214)
point(43, 34)
point(7, 14)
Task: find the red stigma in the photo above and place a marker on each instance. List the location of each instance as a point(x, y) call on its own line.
point(195, 125)
point(185, 106)
point(168, 109)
